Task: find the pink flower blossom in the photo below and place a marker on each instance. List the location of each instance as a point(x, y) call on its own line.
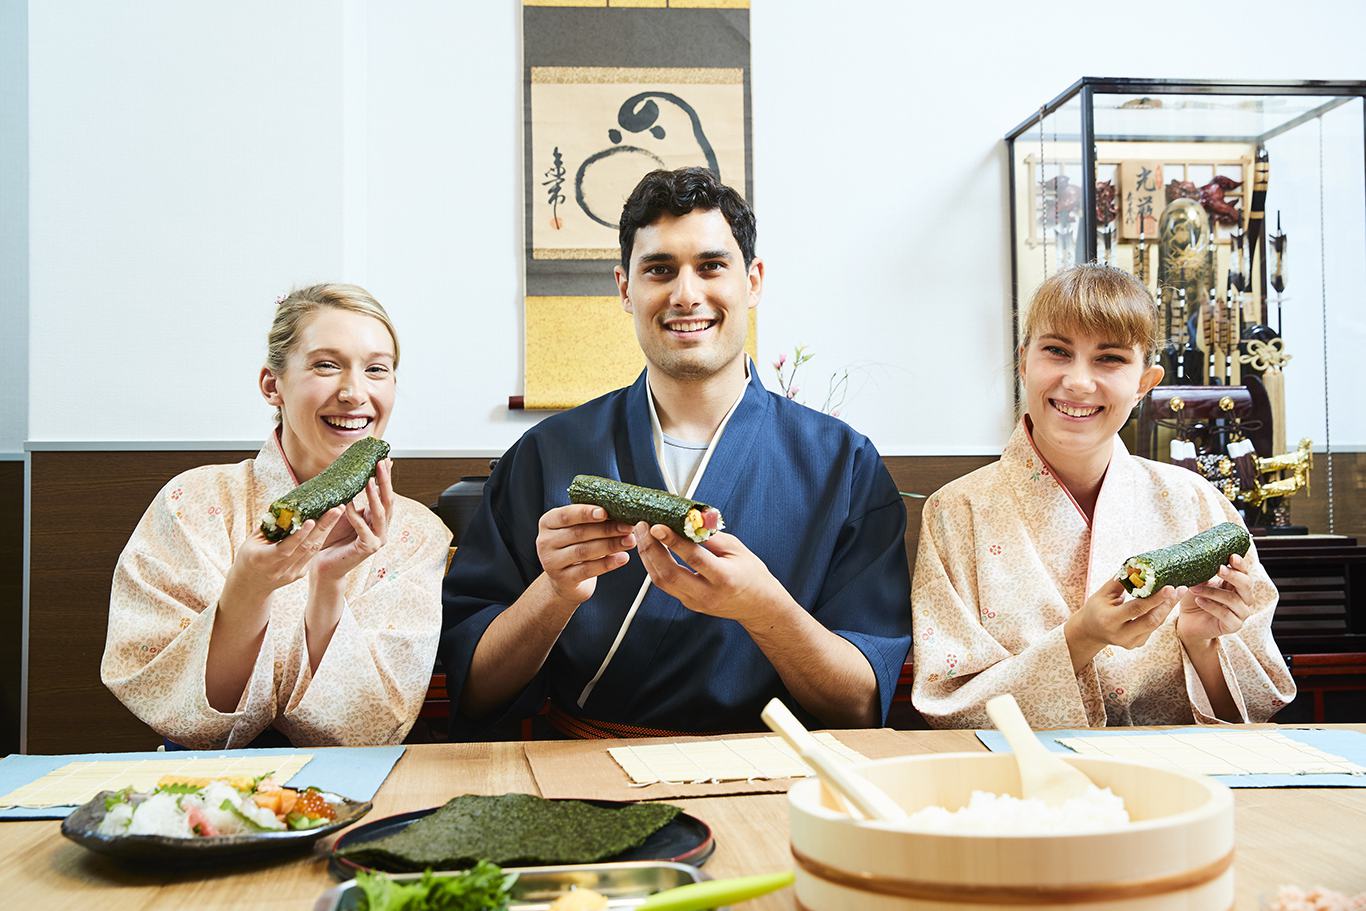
point(792, 392)
point(778, 364)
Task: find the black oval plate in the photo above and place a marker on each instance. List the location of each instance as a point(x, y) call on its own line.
point(685, 840)
point(83, 825)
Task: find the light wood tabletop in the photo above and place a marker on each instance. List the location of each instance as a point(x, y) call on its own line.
point(1302, 836)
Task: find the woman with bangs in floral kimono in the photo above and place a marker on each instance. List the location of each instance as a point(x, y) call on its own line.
point(219, 638)
point(1014, 588)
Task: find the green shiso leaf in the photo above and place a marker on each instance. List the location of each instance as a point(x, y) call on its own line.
point(513, 829)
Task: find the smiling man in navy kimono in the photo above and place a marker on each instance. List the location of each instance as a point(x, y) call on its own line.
point(804, 597)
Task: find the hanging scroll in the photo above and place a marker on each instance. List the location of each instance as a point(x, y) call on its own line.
point(613, 90)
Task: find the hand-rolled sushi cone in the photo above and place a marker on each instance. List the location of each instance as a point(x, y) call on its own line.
point(1176, 853)
point(1196, 559)
point(336, 484)
point(631, 503)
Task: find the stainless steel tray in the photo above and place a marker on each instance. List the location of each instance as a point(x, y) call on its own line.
point(625, 884)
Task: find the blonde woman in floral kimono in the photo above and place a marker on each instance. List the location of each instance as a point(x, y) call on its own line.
point(1014, 588)
point(218, 637)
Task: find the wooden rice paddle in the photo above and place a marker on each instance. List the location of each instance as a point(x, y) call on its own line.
point(836, 774)
point(1042, 774)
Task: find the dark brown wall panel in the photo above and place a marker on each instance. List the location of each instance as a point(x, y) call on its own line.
point(11, 601)
point(85, 504)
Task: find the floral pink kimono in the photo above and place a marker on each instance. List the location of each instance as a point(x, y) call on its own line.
point(1006, 556)
point(374, 675)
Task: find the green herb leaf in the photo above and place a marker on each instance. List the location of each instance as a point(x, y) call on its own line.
point(116, 798)
point(483, 888)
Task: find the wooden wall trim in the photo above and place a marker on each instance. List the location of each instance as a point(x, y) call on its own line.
point(86, 503)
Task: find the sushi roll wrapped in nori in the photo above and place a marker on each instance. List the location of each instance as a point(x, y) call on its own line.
point(1191, 562)
point(336, 484)
point(629, 503)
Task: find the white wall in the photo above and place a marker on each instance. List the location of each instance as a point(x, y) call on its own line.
point(13, 226)
point(189, 162)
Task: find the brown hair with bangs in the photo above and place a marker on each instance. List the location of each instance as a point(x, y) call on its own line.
point(1099, 301)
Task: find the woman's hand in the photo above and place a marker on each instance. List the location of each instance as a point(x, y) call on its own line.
point(1108, 618)
point(364, 532)
point(1217, 607)
point(261, 567)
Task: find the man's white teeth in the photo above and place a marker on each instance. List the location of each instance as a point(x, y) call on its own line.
point(690, 325)
point(1073, 411)
point(348, 423)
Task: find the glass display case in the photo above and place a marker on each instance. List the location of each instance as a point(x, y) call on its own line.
point(1198, 188)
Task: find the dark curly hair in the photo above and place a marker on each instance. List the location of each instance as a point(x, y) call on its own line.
point(678, 193)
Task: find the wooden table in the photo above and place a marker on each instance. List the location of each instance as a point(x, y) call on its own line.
point(1305, 836)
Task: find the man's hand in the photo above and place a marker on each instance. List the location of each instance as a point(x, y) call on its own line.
point(1217, 607)
point(578, 543)
point(726, 579)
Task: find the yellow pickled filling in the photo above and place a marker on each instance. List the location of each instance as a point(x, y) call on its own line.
point(694, 518)
point(1136, 577)
point(283, 518)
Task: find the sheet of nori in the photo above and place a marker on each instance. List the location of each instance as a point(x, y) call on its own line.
point(511, 830)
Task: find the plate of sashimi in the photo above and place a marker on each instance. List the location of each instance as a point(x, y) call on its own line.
point(188, 819)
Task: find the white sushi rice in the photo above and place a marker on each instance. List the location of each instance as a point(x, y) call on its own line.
point(1098, 810)
point(159, 814)
point(116, 821)
point(1146, 569)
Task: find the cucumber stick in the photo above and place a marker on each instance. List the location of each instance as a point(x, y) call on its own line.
point(631, 503)
point(336, 484)
point(1190, 562)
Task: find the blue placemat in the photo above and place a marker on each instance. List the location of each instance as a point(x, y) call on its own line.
point(1347, 744)
point(353, 772)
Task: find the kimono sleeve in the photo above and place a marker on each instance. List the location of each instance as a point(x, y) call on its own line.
point(371, 681)
point(493, 565)
point(162, 607)
point(865, 597)
point(959, 665)
point(1254, 669)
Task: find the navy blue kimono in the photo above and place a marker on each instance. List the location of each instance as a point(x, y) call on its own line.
point(803, 491)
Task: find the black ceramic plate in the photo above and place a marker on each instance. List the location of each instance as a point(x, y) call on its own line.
point(685, 840)
point(83, 825)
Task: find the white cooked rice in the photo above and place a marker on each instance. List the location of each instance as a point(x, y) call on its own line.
point(160, 814)
point(1098, 810)
point(116, 821)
